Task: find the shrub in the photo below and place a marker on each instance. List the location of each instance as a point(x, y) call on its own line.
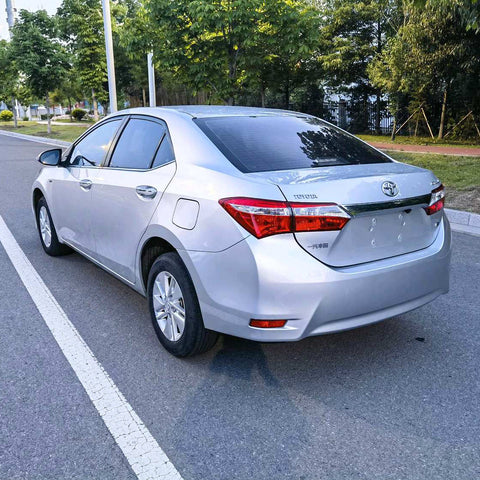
point(78, 113)
point(45, 116)
point(6, 115)
point(25, 119)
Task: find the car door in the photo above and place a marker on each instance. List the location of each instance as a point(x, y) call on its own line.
point(71, 189)
point(127, 191)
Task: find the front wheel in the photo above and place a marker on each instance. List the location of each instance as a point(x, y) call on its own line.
point(175, 310)
point(47, 232)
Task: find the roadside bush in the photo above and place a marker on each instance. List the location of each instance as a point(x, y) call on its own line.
point(78, 113)
point(45, 116)
point(6, 115)
point(25, 119)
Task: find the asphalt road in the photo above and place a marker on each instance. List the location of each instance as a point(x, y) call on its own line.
point(396, 400)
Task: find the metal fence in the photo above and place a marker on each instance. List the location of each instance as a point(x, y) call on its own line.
point(359, 116)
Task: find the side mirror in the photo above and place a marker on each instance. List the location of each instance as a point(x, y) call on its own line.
point(50, 157)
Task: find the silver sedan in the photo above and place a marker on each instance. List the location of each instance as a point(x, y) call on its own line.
point(264, 224)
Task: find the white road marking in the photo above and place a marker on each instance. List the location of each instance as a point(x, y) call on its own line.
point(147, 459)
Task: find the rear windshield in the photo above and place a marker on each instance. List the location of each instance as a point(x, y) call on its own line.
point(266, 143)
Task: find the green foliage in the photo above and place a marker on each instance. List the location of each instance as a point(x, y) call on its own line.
point(38, 53)
point(78, 114)
point(221, 45)
point(431, 57)
point(81, 26)
point(6, 116)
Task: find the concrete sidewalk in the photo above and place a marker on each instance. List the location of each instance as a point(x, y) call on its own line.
point(437, 149)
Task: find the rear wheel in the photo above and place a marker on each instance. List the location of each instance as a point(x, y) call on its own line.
point(47, 232)
point(175, 310)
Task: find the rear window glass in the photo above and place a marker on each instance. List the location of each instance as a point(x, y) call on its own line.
point(263, 143)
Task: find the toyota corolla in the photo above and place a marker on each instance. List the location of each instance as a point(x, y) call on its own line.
point(264, 224)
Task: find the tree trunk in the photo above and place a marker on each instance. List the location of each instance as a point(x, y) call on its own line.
point(144, 98)
point(287, 95)
point(262, 95)
point(15, 119)
point(442, 117)
point(378, 99)
point(392, 137)
point(416, 125)
point(95, 105)
point(49, 124)
point(377, 113)
point(70, 108)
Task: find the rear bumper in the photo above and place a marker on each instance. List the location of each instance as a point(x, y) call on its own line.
point(275, 279)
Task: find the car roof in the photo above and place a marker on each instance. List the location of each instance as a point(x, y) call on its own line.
point(205, 111)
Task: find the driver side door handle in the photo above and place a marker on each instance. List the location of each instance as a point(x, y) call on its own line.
point(86, 184)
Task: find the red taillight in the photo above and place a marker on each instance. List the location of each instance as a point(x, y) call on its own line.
point(267, 323)
point(269, 217)
point(437, 200)
point(310, 217)
point(260, 217)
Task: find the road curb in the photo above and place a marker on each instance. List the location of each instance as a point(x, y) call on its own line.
point(465, 222)
point(34, 138)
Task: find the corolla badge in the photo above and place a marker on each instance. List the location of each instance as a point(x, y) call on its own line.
point(390, 189)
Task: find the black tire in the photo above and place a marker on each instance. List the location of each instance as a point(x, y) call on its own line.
point(195, 338)
point(55, 249)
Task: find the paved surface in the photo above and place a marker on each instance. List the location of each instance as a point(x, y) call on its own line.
point(470, 152)
point(396, 400)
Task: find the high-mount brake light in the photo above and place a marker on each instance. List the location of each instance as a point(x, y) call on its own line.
point(437, 200)
point(263, 218)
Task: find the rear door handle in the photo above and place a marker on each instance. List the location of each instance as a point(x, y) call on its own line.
point(86, 184)
point(146, 191)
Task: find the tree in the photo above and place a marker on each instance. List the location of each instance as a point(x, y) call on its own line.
point(222, 45)
point(9, 85)
point(81, 23)
point(353, 34)
point(431, 52)
point(39, 54)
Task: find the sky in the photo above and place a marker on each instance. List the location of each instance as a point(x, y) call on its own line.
point(49, 5)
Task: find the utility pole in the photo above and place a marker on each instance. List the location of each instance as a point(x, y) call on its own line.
point(152, 98)
point(11, 15)
point(107, 25)
point(11, 19)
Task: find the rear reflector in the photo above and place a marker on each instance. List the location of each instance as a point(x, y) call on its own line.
point(437, 200)
point(267, 323)
point(263, 218)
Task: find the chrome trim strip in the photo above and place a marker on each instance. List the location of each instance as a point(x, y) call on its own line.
point(373, 207)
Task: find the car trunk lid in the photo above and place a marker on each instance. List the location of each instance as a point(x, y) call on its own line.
point(381, 226)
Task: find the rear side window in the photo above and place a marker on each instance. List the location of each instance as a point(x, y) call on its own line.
point(138, 144)
point(266, 143)
point(164, 153)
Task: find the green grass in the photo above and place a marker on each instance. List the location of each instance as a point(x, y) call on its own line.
point(454, 171)
point(60, 132)
point(87, 122)
point(404, 140)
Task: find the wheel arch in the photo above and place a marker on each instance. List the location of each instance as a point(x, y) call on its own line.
point(151, 249)
point(37, 194)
